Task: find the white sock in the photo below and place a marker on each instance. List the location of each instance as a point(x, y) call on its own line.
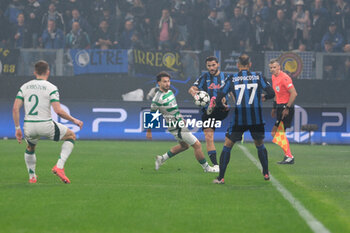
point(66, 150)
point(165, 156)
point(30, 160)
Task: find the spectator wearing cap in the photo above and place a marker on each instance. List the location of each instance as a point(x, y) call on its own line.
point(301, 21)
point(318, 29)
point(53, 14)
point(333, 37)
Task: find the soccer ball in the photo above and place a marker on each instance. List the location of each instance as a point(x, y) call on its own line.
point(201, 99)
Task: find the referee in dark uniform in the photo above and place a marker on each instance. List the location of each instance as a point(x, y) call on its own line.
point(247, 88)
point(211, 82)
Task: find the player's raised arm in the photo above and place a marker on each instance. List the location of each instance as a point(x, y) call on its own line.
point(15, 115)
point(57, 108)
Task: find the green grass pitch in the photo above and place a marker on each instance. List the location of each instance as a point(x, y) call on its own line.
point(116, 189)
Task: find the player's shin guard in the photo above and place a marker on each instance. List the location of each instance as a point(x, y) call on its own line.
point(224, 160)
point(212, 156)
point(262, 154)
point(30, 159)
point(66, 150)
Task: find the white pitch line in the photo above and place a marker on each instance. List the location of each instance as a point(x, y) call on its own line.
point(315, 225)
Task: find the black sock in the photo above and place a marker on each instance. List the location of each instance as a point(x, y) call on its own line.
point(262, 153)
point(224, 160)
point(212, 156)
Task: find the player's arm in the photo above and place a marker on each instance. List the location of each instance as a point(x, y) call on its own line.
point(57, 108)
point(193, 90)
point(292, 97)
point(269, 92)
point(197, 86)
point(15, 115)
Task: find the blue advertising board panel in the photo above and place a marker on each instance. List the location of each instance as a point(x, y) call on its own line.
point(97, 61)
point(124, 121)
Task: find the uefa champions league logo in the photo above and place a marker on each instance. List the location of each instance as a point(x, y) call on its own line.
point(82, 58)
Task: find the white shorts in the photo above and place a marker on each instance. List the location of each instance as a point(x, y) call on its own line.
point(33, 131)
point(183, 135)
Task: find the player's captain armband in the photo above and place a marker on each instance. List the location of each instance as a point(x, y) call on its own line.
point(290, 85)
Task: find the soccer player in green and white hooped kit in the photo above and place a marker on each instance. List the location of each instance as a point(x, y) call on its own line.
point(165, 101)
point(38, 96)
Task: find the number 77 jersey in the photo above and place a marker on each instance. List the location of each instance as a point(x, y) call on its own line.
point(247, 88)
point(37, 96)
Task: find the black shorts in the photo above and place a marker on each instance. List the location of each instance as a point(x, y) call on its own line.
point(256, 131)
point(217, 114)
point(287, 121)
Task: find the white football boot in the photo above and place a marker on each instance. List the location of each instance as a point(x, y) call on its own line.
point(159, 162)
point(216, 168)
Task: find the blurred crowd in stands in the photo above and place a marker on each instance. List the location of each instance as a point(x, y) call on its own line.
point(239, 25)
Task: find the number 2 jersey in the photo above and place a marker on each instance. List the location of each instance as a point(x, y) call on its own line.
point(37, 96)
point(247, 88)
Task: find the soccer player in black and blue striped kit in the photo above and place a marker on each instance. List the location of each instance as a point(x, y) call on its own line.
point(247, 88)
point(212, 82)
